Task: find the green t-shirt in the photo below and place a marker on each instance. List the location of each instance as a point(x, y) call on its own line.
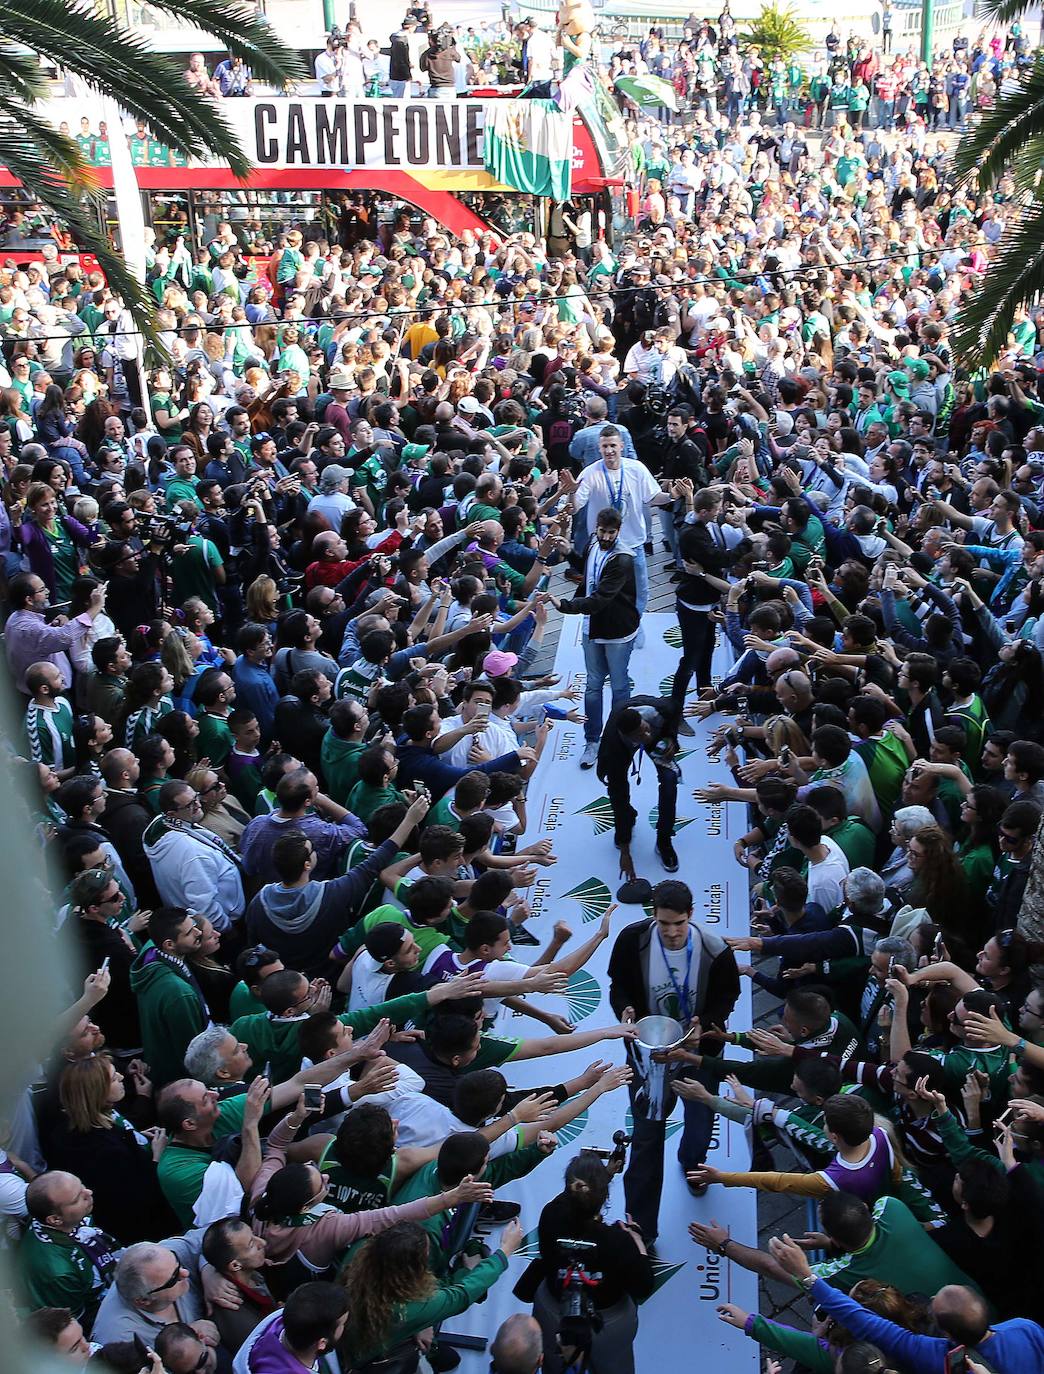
point(242, 1002)
point(66, 560)
point(899, 1252)
point(428, 937)
point(366, 799)
point(215, 739)
point(193, 573)
point(856, 841)
point(340, 763)
point(182, 1168)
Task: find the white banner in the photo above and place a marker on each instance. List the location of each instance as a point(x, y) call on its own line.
point(323, 132)
point(678, 1325)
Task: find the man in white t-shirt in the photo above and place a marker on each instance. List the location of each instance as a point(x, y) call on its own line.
point(496, 738)
point(827, 865)
point(390, 955)
point(627, 486)
point(329, 68)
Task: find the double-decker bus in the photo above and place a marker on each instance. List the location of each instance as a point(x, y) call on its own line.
point(316, 160)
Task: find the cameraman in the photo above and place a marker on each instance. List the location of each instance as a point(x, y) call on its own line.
point(438, 60)
point(620, 1257)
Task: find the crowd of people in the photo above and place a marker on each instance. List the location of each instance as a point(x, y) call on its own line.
point(274, 612)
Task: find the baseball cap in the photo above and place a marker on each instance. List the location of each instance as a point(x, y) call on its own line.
point(412, 451)
point(468, 405)
point(899, 382)
point(384, 940)
point(634, 892)
point(498, 663)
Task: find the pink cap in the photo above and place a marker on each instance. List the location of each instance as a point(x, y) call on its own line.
point(497, 663)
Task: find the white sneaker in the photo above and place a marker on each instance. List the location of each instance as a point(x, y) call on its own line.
point(589, 757)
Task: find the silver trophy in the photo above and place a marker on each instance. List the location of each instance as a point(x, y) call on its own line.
point(655, 1033)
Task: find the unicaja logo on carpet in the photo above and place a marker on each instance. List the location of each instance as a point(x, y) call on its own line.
point(594, 898)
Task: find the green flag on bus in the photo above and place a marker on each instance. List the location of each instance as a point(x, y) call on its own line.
point(529, 146)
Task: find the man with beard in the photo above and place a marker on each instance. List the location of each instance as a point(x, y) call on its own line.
point(609, 603)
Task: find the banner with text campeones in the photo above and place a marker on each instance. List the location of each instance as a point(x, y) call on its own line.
point(570, 807)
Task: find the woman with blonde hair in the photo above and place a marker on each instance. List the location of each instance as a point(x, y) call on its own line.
point(94, 1141)
point(783, 731)
point(180, 654)
point(262, 602)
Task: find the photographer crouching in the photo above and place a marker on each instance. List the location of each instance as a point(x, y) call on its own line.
point(594, 1276)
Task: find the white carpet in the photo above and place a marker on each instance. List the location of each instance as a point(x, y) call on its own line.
point(679, 1328)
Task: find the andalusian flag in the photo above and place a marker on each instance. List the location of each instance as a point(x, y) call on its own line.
point(649, 92)
point(529, 145)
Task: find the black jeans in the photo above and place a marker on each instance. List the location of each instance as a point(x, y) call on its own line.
point(643, 1178)
point(618, 787)
point(697, 632)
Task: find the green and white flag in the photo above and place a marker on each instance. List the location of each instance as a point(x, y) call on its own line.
point(529, 146)
point(648, 91)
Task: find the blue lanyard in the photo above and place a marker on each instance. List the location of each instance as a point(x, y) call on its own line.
point(616, 495)
point(681, 993)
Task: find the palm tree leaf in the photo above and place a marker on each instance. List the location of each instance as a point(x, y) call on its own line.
point(20, 73)
point(984, 152)
point(1016, 275)
point(58, 150)
point(26, 160)
point(1002, 11)
point(243, 34)
point(147, 84)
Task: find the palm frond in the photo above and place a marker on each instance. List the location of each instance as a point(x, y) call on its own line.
point(21, 72)
point(1018, 116)
point(24, 158)
point(1002, 11)
point(243, 34)
point(1016, 275)
point(148, 85)
point(57, 151)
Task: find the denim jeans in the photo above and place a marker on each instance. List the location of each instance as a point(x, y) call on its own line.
point(398, 89)
point(641, 578)
point(670, 533)
point(604, 661)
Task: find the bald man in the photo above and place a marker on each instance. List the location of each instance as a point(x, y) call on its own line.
point(518, 1347)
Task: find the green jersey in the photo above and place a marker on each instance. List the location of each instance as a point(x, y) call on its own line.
point(182, 1168)
point(215, 739)
point(49, 730)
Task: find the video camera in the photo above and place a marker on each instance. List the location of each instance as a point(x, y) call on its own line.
point(162, 532)
point(443, 38)
point(614, 1159)
point(581, 1320)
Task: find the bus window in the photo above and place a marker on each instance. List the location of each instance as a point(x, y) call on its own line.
point(263, 215)
point(168, 213)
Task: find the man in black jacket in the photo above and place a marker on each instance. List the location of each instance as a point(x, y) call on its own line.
point(610, 602)
point(646, 725)
point(705, 557)
point(667, 965)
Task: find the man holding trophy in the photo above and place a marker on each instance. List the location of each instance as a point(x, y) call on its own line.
point(670, 976)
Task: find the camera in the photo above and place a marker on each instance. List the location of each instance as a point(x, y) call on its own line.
point(616, 1158)
point(444, 37)
point(580, 1318)
point(164, 531)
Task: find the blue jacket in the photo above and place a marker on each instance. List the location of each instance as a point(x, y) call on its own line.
point(256, 690)
point(1012, 1347)
point(420, 763)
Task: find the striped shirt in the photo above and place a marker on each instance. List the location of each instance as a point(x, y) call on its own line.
point(49, 730)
